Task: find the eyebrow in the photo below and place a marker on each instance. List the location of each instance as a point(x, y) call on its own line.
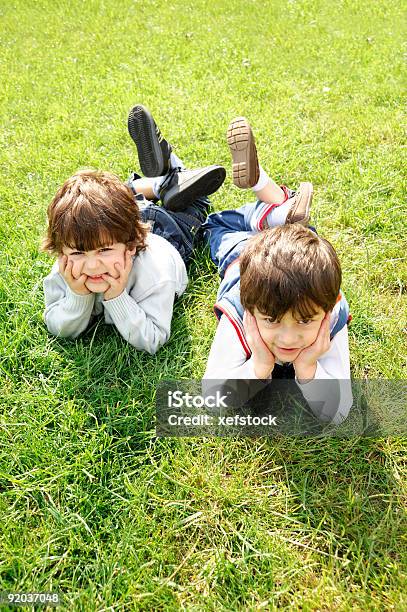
point(103, 246)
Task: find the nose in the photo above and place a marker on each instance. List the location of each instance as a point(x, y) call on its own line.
point(287, 338)
point(91, 265)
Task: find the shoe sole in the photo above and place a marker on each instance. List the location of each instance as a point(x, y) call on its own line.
point(300, 211)
point(196, 187)
point(245, 166)
point(143, 130)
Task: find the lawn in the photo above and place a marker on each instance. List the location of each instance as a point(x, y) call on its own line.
point(93, 505)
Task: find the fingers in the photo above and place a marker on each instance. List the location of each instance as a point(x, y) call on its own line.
point(250, 323)
point(326, 325)
point(62, 260)
point(109, 279)
point(68, 271)
point(124, 270)
point(248, 326)
point(128, 261)
point(323, 341)
point(82, 279)
point(253, 336)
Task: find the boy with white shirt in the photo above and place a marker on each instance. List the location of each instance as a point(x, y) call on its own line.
point(280, 309)
point(119, 254)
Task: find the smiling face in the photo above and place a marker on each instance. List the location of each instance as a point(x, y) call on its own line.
point(287, 336)
point(97, 262)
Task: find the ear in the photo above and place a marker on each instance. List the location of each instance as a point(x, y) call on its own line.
point(132, 251)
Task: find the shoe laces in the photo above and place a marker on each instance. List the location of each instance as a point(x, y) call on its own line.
point(167, 182)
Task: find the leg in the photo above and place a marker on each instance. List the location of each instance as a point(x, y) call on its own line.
point(163, 223)
point(267, 190)
point(181, 229)
point(227, 233)
point(145, 186)
point(246, 169)
point(176, 187)
point(247, 172)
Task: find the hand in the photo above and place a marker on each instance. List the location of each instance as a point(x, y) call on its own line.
point(77, 285)
point(118, 285)
point(263, 358)
point(306, 363)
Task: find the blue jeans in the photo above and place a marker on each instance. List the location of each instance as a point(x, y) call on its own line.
point(181, 229)
point(227, 231)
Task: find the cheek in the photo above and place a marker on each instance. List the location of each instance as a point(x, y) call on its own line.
point(111, 261)
point(310, 335)
point(267, 335)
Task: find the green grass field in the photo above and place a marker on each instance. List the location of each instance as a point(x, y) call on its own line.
point(92, 504)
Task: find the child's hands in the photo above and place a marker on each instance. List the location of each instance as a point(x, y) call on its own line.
point(263, 358)
point(77, 285)
point(306, 363)
point(118, 285)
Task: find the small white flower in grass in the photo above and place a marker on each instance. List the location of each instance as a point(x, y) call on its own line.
point(325, 89)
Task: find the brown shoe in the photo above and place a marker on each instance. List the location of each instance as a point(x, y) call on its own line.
point(299, 212)
point(245, 166)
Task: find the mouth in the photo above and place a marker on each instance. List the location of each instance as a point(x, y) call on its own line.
point(288, 351)
point(95, 279)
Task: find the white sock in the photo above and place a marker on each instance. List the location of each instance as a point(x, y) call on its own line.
point(263, 180)
point(279, 214)
point(176, 162)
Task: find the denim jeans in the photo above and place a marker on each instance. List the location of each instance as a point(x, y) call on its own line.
point(227, 231)
point(181, 229)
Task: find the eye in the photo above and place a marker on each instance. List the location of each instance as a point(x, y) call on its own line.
point(305, 322)
point(105, 249)
point(76, 253)
point(270, 321)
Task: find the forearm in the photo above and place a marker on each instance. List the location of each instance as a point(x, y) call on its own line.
point(304, 374)
point(329, 391)
point(145, 331)
point(228, 368)
point(330, 399)
point(69, 316)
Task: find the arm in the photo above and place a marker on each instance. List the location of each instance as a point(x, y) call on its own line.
point(145, 324)
point(143, 320)
point(229, 367)
point(227, 358)
point(227, 361)
point(66, 314)
point(329, 393)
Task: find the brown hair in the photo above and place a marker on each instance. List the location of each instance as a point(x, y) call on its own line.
point(289, 268)
point(91, 209)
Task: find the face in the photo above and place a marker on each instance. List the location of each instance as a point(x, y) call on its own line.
point(289, 335)
point(97, 262)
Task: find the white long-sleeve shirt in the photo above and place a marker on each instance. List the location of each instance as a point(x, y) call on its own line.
point(228, 361)
point(142, 313)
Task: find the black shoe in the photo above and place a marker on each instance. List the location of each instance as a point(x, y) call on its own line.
point(153, 150)
point(181, 187)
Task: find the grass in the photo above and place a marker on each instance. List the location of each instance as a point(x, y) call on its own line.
point(92, 504)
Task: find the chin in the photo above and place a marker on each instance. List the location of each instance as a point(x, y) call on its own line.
point(96, 287)
point(287, 358)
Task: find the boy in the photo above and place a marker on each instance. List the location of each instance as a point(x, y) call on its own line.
point(280, 310)
point(120, 255)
